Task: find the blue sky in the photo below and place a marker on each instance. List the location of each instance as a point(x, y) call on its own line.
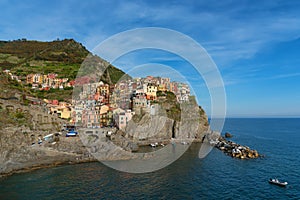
point(255, 44)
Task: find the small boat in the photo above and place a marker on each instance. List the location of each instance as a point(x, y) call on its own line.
point(184, 143)
point(71, 133)
point(275, 181)
point(152, 145)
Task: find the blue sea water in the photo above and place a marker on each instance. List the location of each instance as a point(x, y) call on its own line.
point(217, 176)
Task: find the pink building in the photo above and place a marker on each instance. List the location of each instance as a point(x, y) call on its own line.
point(55, 102)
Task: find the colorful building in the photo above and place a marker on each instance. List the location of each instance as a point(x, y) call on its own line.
point(151, 91)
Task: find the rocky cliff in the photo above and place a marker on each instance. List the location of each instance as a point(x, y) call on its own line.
point(188, 122)
point(18, 153)
point(21, 150)
point(22, 146)
point(156, 125)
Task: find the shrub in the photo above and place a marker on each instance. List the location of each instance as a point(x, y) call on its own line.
point(19, 115)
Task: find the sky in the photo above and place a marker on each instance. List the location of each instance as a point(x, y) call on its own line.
point(254, 44)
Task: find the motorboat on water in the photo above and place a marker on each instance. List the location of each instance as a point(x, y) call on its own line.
point(275, 181)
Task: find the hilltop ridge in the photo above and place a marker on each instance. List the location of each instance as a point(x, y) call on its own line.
point(24, 51)
point(63, 57)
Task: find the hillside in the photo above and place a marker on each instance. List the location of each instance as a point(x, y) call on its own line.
point(22, 52)
point(61, 57)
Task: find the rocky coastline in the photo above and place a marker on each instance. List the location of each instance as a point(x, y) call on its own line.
point(23, 151)
point(24, 148)
point(65, 151)
point(235, 150)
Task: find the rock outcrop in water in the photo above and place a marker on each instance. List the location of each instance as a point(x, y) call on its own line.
point(228, 135)
point(236, 150)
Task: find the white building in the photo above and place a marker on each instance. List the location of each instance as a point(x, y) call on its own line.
point(123, 118)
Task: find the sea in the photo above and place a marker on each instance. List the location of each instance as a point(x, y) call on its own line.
point(217, 176)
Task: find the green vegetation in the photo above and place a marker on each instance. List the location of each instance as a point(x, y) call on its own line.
point(160, 94)
point(169, 102)
point(174, 113)
point(65, 51)
point(115, 74)
point(66, 58)
point(14, 118)
point(60, 95)
point(9, 87)
point(62, 70)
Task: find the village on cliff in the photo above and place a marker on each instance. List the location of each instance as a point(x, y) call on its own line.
point(102, 105)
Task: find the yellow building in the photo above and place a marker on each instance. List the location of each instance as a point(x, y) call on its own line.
point(103, 89)
point(161, 87)
point(62, 111)
point(151, 91)
point(65, 113)
point(29, 78)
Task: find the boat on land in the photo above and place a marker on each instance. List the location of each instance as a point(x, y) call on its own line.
point(72, 133)
point(184, 143)
point(275, 181)
point(154, 144)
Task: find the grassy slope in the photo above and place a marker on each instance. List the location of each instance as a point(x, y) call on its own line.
point(61, 57)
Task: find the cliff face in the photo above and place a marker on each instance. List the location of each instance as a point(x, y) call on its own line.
point(194, 122)
point(150, 126)
point(162, 125)
point(20, 133)
point(18, 153)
